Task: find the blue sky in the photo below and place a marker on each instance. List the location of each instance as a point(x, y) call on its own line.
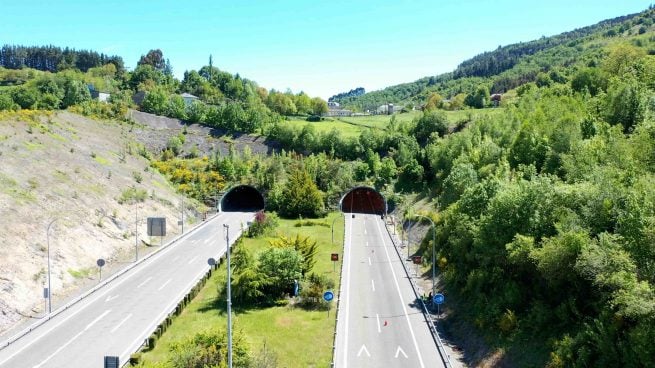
point(320, 47)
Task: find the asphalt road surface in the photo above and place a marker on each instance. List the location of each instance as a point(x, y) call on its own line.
point(379, 323)
point(117, 318)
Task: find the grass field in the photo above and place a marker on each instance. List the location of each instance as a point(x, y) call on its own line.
point(352, 126)
point(299, 337)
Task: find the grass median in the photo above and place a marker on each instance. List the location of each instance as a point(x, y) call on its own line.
point(299, 337)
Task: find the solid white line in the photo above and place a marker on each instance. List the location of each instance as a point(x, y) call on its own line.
point(377, 316)
point(192, 259)
point(145, 282)
point(166, 283)
point(73, 339)
point(347, 296)
point(369, 261)
point(402, 301)
point(121, 323)
point(373, 284)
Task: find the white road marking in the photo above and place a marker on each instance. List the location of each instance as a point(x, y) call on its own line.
point(400, 296)
point(121, 323)
point(192, 259)
point(144, 282)
point(373, 284)
point(175, 258)
point(377, 316)
point(363, 349)
point(400, 350)
point(110, 298)
point(99, 296)
point(367, 243)
point(73, 339)
point(166, 283)
point(207, 240)
point(364, 231)
point(347, 296)
point(369, 261)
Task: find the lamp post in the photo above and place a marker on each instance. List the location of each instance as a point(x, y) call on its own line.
point(335, 219)
point(136, 231)
point(49, 294)
point(229, 298)
point(433, 242)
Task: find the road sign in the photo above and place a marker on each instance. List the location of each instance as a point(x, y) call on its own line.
point(46, 293)
point(211, 261)
point(100, 262)
point(112, 362)
point(328, 296)
point(156, 226)
point(438, 299)
point(417, 259)
point(334, 257)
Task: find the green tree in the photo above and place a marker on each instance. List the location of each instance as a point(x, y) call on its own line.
point(430, 122)
point(25, 97)
point(156, 102)
point(280, 266)
point(301, 197)
point(319, 106)
point(304, 245)
point(626, 104)
point(75, 92)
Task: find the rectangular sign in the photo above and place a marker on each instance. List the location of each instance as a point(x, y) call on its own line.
point(335, 257)
point(111, 362)
point(156, 226)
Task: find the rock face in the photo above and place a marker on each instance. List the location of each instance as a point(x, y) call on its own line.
point(72, 170)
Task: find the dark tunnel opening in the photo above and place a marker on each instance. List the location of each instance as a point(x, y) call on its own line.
point(364, 200)
point(242, 198)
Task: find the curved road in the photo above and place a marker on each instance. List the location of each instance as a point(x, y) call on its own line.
point(379, 324)
point(117, 318)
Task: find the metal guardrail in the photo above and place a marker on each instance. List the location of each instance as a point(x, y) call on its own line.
point(88, 293)
point(178, 301)
point(426, 313)
point(336, 323)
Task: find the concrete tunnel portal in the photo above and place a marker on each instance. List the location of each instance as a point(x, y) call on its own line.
point(242, 198)
point(363, 200)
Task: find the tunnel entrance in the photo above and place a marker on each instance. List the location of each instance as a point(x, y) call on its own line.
point(242, 198)
point(364, 200)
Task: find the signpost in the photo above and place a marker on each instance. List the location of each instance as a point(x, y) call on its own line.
point(157, 227)
point(100, 262)
point(335, 258)
point(438, 299)
point(328, 296)
point(417, 260)
point(112, 362)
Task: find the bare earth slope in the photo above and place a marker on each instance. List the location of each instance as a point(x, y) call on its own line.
point(69, 167)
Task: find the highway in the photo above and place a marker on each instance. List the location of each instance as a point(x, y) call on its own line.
point(378, 324)
point(117, 318)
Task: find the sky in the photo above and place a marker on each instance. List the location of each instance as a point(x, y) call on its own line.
point(319, 47)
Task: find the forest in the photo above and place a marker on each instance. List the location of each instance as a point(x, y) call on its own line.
point(545, 211)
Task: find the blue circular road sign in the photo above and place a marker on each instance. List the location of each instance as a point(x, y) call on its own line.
point(328, 296)
point(438, 299)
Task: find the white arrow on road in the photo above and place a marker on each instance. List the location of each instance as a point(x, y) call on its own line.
point(110, 298)
point(400, 350)
point(363, 348)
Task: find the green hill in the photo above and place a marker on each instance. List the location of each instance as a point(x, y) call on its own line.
point(508, 67)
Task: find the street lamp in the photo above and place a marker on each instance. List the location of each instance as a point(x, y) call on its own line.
point(335, 219)
point(433, 243)
point(49, 293)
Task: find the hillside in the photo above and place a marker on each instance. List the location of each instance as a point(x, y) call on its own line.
point(67, 167)
point(510, 66)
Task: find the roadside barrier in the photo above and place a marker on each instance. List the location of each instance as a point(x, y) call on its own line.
point(445, 358)
point(336, 323)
